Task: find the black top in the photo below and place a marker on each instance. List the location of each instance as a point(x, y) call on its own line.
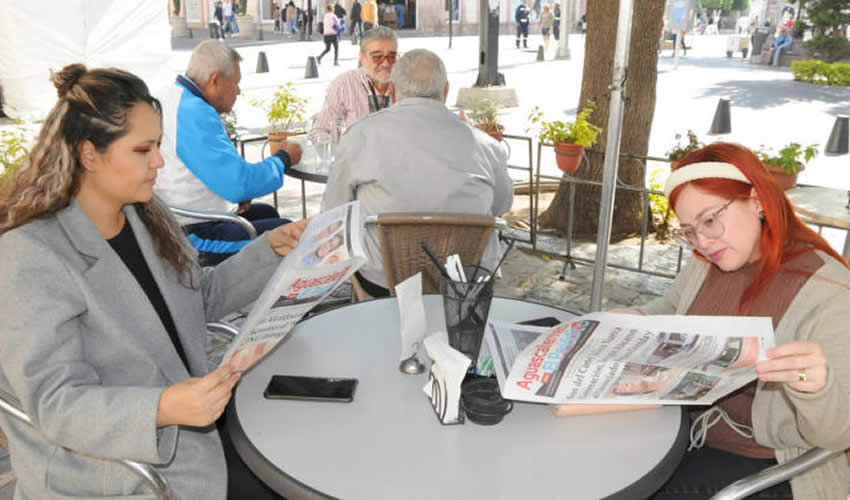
point(126, 246)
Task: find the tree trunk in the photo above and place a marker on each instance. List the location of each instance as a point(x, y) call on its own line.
point(637, 119)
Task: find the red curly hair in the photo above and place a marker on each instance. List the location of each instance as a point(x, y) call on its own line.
point(783, 236)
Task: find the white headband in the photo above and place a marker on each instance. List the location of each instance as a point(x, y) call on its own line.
point(703, 170)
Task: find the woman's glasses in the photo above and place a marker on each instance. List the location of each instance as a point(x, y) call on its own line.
point(710, 226)
point(378, 58)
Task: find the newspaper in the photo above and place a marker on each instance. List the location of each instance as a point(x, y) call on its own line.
point(628, 359)
point(328, 253)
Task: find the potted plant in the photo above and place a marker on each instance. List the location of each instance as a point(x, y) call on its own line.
point(283, 111)
point(570, 138)
point(680, 150)
point(788, 162)
point(484, 114)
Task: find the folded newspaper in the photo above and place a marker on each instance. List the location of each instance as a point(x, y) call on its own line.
point(624, 358)
point(327, 254)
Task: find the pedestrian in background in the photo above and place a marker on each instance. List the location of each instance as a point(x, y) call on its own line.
point(276, 14)
point(556, 21)
point(399, 13)
point(545, 25)
point(330, 25)
point(370, 15)
point(292, 18)
point(521, 17)
point(356, 8)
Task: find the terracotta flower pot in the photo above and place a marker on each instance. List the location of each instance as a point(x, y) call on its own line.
point(568, 157)
point(276, 139)
point(786, 181)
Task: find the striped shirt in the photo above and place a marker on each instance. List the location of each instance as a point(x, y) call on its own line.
point(347, 100)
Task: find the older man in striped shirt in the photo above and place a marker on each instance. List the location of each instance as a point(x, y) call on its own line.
point(356, 93)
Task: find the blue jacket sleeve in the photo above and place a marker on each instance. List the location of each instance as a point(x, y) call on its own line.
point(205, 148)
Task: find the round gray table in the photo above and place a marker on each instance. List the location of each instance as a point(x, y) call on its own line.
point(389, 444)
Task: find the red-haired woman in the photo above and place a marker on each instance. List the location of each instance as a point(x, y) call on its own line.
point(754, 257)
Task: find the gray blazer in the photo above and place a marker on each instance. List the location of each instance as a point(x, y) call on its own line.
point(88, 358)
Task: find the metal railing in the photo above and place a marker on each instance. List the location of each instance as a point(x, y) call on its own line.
point(573, 181)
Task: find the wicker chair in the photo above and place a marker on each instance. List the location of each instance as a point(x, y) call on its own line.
point(400, 236)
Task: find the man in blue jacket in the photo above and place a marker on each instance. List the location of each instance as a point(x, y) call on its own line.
point(203, 170)
point(521, 17)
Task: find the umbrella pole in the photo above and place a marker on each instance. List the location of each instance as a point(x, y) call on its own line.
point(612, 150)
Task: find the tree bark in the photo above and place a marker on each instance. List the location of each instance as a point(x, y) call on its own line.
point(637, 118)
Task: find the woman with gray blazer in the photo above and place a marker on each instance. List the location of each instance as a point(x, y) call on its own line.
point(103, 338)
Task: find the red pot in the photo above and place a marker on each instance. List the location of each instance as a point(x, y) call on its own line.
point(784, 180)
point(568, 157)
point(497, 135)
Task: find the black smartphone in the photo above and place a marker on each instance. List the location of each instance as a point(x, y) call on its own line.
point(311, 388)
point(547, 321)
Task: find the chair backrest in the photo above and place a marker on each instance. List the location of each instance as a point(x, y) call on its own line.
point(157, 482)
point(400, 236)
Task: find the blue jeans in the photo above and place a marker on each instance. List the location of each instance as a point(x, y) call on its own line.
point(232, 25)
point(777, 51)
point(359, 25)
point(399, 15)
point(293, 26)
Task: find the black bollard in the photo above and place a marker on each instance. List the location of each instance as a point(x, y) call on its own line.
point(262, 63)
point(540, 53)
point(838, 138)
point(312, 69)
point(722, 123)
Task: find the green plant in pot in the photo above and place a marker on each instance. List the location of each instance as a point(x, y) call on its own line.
point(284, 110)
point(680, 150)
point(484, 114)
point(786, 163)
point(570, 138)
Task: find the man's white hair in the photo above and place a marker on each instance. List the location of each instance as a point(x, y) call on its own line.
point(419, 73)
point(211, 56)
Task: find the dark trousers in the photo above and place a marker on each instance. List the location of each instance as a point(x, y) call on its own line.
point(373, 289)
point(242, 484)
point(216, 241)
point(359, 25)
point(522, 29)
point(706, 471)
point(330, 40)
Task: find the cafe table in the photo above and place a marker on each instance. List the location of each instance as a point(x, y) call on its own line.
point(388, 443)
point(823, 206)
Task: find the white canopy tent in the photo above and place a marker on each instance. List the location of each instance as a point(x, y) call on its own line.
point(38, 37)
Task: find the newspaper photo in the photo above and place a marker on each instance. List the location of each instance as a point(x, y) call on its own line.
point(328, 253)
point(628, 359)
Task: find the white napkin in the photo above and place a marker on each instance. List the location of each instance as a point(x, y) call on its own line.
point(447, 372)
point(411, 313)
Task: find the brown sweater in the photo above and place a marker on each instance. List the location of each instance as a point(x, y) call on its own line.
point(720, 295)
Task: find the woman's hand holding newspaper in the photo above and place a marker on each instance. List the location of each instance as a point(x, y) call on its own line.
point(284, 238)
